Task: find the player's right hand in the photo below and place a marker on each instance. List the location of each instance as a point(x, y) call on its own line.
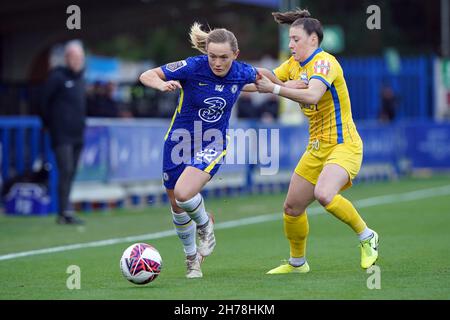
point(296, 84)
point(170, 85)
point(259, 75)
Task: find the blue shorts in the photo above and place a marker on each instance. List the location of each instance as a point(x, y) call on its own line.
point(207, 160)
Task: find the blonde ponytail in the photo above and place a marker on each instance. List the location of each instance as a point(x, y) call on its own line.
point(198, 37)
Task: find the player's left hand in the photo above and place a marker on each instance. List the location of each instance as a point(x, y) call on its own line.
point(264, 85)
point(170, 85)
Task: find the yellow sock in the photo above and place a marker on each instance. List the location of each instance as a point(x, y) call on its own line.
point(296, 230)
point(343, 209)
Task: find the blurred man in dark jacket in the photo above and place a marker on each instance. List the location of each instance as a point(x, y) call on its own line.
point(63, 114)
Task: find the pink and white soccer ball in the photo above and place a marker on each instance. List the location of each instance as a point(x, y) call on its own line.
point(141, 263)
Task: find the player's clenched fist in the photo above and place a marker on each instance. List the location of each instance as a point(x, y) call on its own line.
point(170, 86)
point(264, 85)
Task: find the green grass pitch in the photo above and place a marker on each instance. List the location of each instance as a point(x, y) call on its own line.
point(414, 251)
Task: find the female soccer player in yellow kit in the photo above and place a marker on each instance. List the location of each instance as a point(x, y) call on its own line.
point(334, 154)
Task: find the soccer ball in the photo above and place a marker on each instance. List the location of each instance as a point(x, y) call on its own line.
point(140, 263)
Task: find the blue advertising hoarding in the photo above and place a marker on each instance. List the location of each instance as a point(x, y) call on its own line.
point(93, 164)
point(428, 145)
point(133, 151)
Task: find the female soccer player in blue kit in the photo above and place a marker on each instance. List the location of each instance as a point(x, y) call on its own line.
point(209, 86)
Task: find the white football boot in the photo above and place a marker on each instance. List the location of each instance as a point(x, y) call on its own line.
point(193, 267)
point(206, 238)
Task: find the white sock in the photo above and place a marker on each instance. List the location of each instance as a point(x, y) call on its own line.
point(195, 208)
point(296, 262)
point(365, 234)
point(186, 231)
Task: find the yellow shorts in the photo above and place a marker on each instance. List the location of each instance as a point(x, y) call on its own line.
point(348, 155)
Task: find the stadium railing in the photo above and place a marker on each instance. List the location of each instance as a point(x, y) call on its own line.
point(25, 150)
point(411, 82)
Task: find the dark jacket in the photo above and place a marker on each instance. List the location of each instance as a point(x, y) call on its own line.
point(64, 106)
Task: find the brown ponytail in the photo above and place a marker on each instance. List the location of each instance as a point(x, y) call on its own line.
point(290, 16)
point(300, 18)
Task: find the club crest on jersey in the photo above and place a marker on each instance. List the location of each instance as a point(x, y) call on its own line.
point(214, 111)
point(304, 77)
point(234, 88)
point(322, 67)
point(174, 66)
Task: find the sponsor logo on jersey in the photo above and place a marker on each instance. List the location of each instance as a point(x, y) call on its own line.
point(174, 66)
point(322, 67)
point(214, 111)
point(202, 84)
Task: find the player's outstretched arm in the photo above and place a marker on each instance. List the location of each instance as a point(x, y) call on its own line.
point(155, 78)
point(251, 87)
point(311, 95)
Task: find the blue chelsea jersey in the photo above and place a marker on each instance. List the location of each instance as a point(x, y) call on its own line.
point(206, 97)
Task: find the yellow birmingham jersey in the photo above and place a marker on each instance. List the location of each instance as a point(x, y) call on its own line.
point(330, 120)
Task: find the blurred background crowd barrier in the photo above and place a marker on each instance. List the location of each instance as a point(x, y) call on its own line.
point(121, 161)
point(407, 88)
